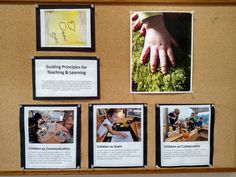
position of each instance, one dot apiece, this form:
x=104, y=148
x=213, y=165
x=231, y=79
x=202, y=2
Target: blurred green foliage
x=177, y=79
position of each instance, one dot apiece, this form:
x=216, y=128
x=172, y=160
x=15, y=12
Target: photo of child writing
x=161, y=51
x=51, y=126
x=118, y=125
x=117, y=135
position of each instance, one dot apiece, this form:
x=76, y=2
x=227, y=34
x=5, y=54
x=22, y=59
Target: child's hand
x=137, y=25
x=123, y=135
x=157, y=42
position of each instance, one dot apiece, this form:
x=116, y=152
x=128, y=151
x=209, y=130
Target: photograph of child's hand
x=158, y=42
x=157, y=49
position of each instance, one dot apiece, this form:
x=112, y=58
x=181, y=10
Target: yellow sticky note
x=65, y=28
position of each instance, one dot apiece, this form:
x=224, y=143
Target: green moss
x=177, y=79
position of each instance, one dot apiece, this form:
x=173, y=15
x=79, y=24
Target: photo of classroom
x=118, y=125
x=50, y=126
x=185, y=124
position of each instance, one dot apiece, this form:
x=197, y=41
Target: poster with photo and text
x=184, y=135
x=49, y=136
x=117, y=135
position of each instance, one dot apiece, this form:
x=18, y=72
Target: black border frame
x=64, y=58
x=90, y=133
x=38, y=28
x=158, y=135
x=22, y=132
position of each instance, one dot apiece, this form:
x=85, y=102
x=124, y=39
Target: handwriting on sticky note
x=65, y=28
x=71, y=25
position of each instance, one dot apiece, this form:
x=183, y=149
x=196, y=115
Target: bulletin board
x=214, y=70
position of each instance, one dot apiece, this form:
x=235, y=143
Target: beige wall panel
x=214, y=71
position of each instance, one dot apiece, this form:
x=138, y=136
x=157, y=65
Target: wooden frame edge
x=177, y=2
x=118, y=171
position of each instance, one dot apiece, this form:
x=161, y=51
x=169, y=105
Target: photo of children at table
x=51, y=126
x=185, y=124
x=118, y=125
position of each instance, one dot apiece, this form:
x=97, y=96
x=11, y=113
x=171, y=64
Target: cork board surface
x=214, y=71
